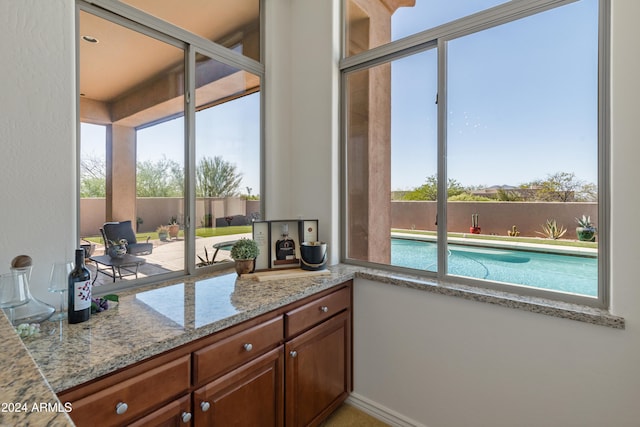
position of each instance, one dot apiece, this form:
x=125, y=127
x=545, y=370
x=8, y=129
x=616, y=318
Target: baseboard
x=380, y=412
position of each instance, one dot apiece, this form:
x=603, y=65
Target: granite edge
x=577, y=312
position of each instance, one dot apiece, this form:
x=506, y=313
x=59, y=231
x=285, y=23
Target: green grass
x=532, y=240
x=200, y=232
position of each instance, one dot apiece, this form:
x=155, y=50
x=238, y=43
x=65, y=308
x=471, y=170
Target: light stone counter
x=153, y=319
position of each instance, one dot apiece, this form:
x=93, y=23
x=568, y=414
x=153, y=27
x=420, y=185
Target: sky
x=522, y=104
x=522, y=98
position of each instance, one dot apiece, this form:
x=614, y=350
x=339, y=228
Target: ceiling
x=124, y=59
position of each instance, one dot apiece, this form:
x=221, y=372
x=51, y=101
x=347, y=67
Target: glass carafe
x=31, y=311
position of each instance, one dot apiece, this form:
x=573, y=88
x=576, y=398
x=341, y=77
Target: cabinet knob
x=185, y=417
x=324, y=309
x=248, y=347
x=121, y=408
x=293, y=353
x=205, y=406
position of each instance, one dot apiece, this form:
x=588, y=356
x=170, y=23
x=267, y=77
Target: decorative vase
x=117, y=251
x=244, y=266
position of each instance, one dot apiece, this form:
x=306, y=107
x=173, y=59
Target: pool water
x=565, y=273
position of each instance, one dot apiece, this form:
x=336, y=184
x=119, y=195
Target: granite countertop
x=147, y=321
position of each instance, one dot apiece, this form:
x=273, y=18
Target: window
x=170, y=113
x=476, y=151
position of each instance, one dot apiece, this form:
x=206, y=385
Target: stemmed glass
x=58, y=282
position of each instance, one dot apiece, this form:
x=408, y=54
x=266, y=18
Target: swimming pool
x=566, y=273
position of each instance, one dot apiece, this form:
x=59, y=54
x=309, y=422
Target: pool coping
x=502, y=244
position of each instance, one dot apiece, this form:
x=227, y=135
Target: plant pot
x=163, y=236
x=116, y=251
x=474, y=230
x=586, y=234
x=244, y=266
x=173, y=231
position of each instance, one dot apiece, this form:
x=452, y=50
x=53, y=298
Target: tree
x=429, y=190
x=163, y=178
x=216, y=177
x=92, y=177
x=563, y=187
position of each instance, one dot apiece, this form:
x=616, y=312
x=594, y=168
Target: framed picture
x=279, y=241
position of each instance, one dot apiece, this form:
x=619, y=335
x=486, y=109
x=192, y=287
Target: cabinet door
x=318, y=366
x=251, y=395
x=175, y=414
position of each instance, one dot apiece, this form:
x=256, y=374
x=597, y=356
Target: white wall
x=301, y=61
x=439, y=360
x=37, y=135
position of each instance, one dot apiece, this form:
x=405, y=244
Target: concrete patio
x=168, y=256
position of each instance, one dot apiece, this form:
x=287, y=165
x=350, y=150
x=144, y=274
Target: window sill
x=580, y=313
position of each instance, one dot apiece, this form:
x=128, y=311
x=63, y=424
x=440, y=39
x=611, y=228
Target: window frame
x=438, y=38
x=140, y=21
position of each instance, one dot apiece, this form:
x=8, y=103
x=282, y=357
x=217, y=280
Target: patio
x=167, y=256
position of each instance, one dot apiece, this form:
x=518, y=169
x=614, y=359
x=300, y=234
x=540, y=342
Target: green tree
x=216, y=177
x=162, y=178
x=429, y=190
x=563, y=187
x=92, y=177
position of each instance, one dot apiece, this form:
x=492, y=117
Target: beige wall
x=494, y=217
x=157, y=211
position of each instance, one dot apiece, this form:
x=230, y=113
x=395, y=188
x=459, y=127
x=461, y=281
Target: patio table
x=126, y=263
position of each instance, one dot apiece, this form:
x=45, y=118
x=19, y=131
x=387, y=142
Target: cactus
x=551, y=230
x=513, y=232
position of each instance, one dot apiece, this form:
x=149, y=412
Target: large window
x=170, y=130
x=475, y=151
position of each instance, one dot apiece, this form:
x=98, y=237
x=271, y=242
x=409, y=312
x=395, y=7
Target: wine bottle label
x=82, y=295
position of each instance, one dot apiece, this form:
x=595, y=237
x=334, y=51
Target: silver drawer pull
x=205, y=406
x=248, y=347
x=293, y=353
x=121, y=408
x=324, y=309
x=185, y=417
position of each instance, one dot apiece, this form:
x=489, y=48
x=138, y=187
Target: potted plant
x=585, y=230
x=174, y=228
x=163, y=232
x=244, y=252
x=117, y=248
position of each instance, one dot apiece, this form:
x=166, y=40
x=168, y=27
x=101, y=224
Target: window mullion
x=442, y=159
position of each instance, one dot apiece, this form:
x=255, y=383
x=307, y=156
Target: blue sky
x=522, y=104
x=522, y=99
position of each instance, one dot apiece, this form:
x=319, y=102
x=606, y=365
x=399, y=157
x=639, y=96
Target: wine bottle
x=79, y=291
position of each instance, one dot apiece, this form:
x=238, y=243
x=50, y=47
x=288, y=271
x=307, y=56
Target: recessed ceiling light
x=90, y=39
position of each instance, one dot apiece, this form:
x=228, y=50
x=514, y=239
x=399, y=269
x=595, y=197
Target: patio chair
x=114, y=231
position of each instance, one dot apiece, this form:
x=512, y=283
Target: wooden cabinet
x=290, y=367
x=130, y=394
x=318, y=367
x=175, y=414
x=251, y=395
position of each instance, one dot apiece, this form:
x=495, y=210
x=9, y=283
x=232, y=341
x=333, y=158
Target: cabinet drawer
x=220, y=357
x=317, y=311
x=140, y=394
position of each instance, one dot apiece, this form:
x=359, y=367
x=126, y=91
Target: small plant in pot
x=244, y=252
x=585, y=230
x=163, y=233
x=174, y=227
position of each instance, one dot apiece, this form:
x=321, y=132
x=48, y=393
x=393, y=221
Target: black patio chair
x=114, y=231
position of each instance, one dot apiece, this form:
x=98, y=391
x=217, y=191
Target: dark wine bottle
x=79, y=291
